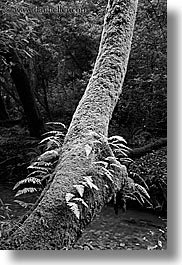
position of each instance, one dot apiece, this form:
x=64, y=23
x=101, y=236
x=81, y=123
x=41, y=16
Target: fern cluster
x=41, y=170
x=73, y=200
x=135, y=187
x=106, y=168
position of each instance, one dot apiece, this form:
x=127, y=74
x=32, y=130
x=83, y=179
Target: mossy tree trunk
x=52, y=225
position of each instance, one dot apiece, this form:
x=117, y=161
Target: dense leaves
x=153, y=168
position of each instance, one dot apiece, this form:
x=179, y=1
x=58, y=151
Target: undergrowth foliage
x=134, y=186
x=106, y=169
x=42, y=170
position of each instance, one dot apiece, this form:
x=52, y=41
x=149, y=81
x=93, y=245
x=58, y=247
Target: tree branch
x=141, y=151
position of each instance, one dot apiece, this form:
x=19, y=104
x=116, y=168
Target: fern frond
x=80, y=189
x=117, y=138
x=136, y=195
x=140, y=196
x=129, y=183
x=125, y=160
x=100, y=164
x=148, y=202
x=47, y=176
x=120, y=146
x=37, y=173
x=32, y=180
x=102, y=167
x=57, y=123
x=96, y=135
x=74, y=208
x=89, y=183
x=117, y=166
x=54, y=133
x=107, y=173
x=25, y=190
x=142, y=190
x=69, y=196
x=24, y=204
x=88, y=150
x=143, y=198
x=52, y=146
x=27, y=180
x=111, y=159
x=82, y=201
x=133, y=198
x=42, y=163
x=137, y=198
x=42, y=169
x=138, y=178
x=121, y=152
x=48, y=156
x=130, y=197
x=54, y=143
x=52, y=139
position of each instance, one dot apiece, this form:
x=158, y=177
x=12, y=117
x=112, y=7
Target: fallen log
x=141, y=151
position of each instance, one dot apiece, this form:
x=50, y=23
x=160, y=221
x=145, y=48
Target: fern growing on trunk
x=41, y=170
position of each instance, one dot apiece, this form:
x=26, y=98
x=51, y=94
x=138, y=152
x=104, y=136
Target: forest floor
x=133, y=230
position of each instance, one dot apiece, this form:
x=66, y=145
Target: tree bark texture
x=25, y=92
x=52, y=225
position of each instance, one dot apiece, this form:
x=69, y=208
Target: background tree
x=16, y=35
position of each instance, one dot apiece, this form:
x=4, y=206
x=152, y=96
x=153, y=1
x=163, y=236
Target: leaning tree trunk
x=52, y=224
